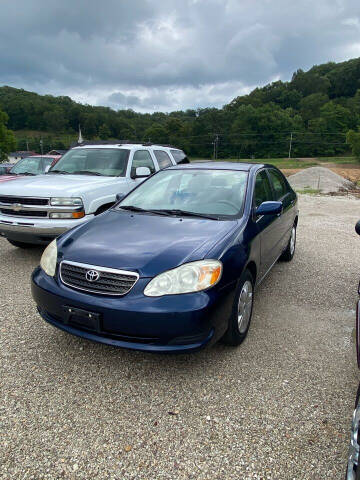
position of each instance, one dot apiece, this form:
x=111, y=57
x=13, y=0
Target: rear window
x=179, y=156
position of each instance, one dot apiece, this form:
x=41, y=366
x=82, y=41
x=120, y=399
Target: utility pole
x=291, y=140
x=216, y=146
x=27, y=144
x=41, y=146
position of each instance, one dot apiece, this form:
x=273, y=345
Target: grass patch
x=309, y=191
x=278, y=162
x=338, y=160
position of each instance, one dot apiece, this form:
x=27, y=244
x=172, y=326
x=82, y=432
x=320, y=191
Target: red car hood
x=5, y=178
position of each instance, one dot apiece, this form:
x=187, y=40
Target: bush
x=353, y=139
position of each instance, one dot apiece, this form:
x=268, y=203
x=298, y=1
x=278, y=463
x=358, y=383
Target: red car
x=34, y=165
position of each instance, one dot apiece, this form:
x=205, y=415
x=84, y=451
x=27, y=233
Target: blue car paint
x=150, y=244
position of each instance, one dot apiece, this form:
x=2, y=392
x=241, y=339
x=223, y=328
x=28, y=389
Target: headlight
x=48, y=259
x=190, y=277
x=66, y=201
x=63, y=215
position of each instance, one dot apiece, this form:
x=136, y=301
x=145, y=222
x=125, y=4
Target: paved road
x=278, y=407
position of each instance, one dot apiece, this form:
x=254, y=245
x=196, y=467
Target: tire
x=239, y=327
x=289, y=253
x=21, y=244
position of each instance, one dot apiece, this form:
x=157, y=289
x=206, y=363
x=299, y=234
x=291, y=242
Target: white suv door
x=141, y=158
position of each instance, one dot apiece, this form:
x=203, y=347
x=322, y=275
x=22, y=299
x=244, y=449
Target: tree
x=7, y=138
x=89, y=122
x=55, y=120
x=104, y=132
x=310, y=105
x=156, y=134
x=309, y=82
x=353, y=139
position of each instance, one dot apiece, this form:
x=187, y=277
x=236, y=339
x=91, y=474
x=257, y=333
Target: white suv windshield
x=111, y=162
x=32, y=165
x=207, y=192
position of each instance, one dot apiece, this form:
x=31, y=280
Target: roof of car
x=244, y=167
x=126, y=145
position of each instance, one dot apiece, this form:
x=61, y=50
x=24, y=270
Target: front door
x=268, y=226
x=141, y=158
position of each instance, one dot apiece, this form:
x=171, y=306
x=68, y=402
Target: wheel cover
x=292, y=240
x=245, y=306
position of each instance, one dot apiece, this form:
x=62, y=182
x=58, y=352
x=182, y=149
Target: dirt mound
x=319, y=178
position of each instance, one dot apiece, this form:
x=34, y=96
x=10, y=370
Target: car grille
x=23, y=213
x=110, y=281
x=24, y=200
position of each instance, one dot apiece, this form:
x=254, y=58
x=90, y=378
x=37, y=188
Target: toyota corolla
x=173, y=266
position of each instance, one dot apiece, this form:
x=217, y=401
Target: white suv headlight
x=66, y=201
x=190, y=277
x=49, y=258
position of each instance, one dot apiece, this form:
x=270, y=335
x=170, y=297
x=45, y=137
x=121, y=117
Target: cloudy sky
x=168, y=54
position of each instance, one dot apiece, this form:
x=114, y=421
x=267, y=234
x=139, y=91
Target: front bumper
x=172, y=324
x=37, y=231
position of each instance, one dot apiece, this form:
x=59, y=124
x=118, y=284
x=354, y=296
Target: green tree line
x=313, y=112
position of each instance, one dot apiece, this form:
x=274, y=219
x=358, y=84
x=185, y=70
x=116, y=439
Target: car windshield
x=111, y=162
x=32, y=165
x=218, y=193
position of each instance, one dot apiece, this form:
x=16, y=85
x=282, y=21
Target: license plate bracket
x=82, y=318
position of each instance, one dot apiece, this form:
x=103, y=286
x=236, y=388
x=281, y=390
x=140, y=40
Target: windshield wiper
x=168, y=212
x=25, y=173
x=186, y=213
x=133, y=208
x=63, y=172
x=87, y=172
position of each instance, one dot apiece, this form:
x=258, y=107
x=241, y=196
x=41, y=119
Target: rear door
x=284, y=194
x=268, y=226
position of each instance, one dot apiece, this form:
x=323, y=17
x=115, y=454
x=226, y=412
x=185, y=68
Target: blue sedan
x=174, y=265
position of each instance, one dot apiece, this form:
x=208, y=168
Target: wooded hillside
x=317, y=107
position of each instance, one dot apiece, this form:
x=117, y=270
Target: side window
x=162, y=158
x=142, y=158
x=179, y=156
x=262, y=191
x=278, y=183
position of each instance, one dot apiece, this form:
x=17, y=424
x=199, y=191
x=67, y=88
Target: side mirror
x=47, y=168
x=142, y=172
x=357, y=228
x=120, y=196
x=270, y=208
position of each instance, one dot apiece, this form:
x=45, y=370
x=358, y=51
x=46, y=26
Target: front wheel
x=240, y=319
x=21, y=244
x=289, y=253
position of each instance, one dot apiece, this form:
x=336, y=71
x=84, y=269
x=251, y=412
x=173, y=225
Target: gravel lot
x=278, y=407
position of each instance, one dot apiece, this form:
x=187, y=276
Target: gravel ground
x=278, y=407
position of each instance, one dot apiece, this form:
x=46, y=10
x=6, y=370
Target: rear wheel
x=289, y=253
x=21, y=244
x=240, y=319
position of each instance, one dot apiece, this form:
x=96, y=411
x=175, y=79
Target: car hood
x=148, y=244
x=55, y=185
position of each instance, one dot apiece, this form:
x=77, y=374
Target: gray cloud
x=151, y=54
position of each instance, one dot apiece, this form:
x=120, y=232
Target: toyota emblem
x=17, y=207
x=92, y=275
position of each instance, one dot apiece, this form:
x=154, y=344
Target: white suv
x=85, y=182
